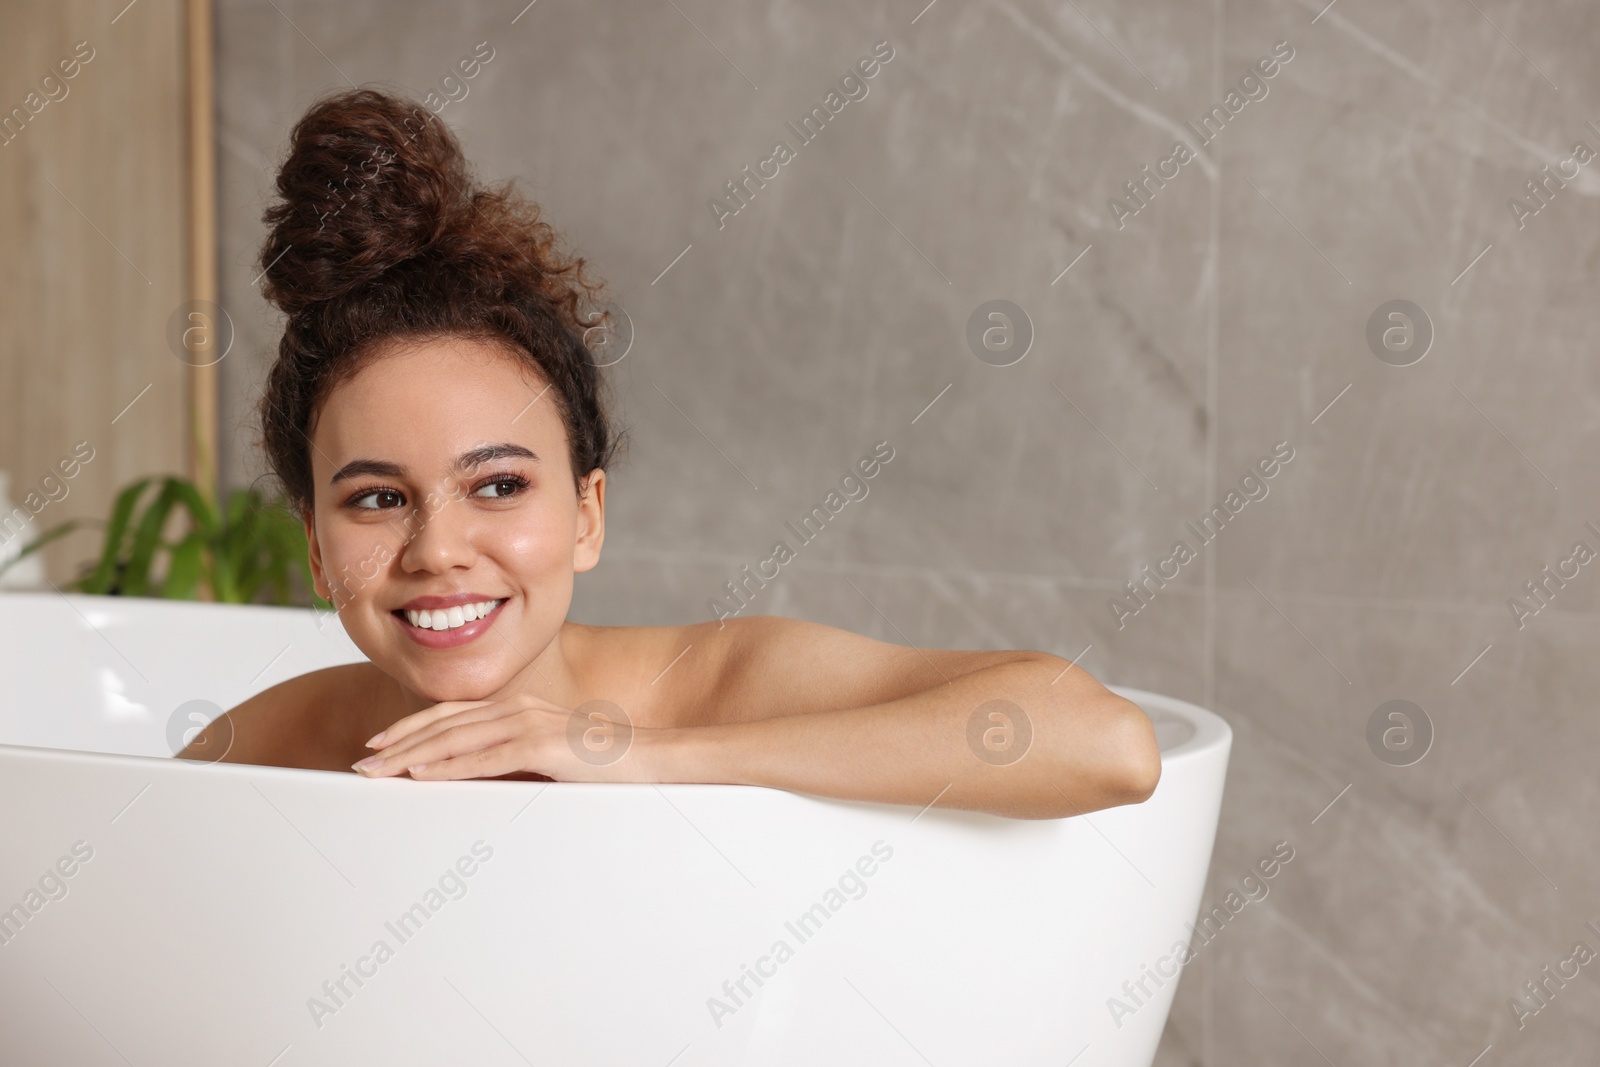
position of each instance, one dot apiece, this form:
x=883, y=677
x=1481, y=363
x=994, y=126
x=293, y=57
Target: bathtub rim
x=1211, y=734
x=1211, y=731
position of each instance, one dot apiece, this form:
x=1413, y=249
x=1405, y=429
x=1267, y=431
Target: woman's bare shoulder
x=295, y=723
x=659, y=675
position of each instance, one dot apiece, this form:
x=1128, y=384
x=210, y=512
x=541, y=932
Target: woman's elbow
x=1114, y=761
x=1138, y=757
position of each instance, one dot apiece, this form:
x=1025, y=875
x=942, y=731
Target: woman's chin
x=443, y=693
x=438, y=686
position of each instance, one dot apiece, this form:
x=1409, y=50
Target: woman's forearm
x=1088, y=748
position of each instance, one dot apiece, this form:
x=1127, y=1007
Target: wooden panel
x=93, y=209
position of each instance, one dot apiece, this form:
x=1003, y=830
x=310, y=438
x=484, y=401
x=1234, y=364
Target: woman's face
x=442, y=489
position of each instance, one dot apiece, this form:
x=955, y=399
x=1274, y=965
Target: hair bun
x=371, y=180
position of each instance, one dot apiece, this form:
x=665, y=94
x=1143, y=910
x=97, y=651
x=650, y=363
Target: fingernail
x=368, y=764
x=377, y=738
x=418, y=767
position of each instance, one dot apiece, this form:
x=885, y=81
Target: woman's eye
x=388, y=497
x=502, y=487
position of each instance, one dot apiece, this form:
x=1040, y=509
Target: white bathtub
x=181, y=913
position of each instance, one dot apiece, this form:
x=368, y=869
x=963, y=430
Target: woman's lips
x=451, y=638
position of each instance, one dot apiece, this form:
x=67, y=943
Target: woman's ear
x=319, y=580
x=591, y=521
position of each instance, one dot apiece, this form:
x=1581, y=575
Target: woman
x=436, y=417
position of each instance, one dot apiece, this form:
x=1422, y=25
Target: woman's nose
x=442, y=539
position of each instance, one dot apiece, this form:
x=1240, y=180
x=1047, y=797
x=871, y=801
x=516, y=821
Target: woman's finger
x=484, y=763
x=455, y=741
x=470, y=714
x=419, y=719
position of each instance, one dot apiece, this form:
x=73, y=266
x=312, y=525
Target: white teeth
x=449, y=619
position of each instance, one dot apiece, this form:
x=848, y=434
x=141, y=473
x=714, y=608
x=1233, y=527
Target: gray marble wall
x=1176, y=340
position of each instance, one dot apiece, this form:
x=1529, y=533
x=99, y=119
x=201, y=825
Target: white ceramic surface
x=210, y=909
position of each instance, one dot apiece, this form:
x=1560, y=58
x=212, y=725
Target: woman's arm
x=815, y=709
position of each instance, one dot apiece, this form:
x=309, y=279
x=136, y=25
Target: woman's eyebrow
x=473, y=457
x=357, y=467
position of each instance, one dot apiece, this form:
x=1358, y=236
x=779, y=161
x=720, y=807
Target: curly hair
x=379, y=232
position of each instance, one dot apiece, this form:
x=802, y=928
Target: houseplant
x=247, y=549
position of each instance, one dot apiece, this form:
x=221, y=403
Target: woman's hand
x=489, y=738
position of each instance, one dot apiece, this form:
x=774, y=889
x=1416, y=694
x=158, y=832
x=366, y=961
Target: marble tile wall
x=1173, y=347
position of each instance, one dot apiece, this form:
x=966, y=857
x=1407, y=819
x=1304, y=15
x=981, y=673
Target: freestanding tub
x=161, y=911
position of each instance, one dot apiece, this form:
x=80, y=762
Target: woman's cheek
x=527, y=534
x=357, y=553
x=524, y=549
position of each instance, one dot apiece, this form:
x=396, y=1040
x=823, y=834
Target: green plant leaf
x=105, y=572
x=246, y=549
x=285, y=543
x=147, y=539
x=199, y=507
x=290, y=536
x=240, y=503
x=184, y=567
x=240, y=549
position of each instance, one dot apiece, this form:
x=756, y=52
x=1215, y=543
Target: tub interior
x=1172, y=731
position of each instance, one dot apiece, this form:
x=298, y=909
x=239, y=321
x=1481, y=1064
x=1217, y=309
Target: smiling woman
x=435, y=416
